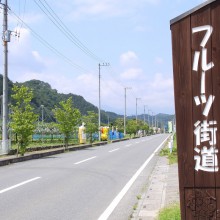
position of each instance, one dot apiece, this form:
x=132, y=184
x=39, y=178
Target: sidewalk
x=163, y=190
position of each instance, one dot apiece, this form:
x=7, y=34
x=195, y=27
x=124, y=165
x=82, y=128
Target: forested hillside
x=47, y=98
x=50, y=98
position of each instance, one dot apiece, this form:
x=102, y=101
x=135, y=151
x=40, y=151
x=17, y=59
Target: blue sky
x=133, y=36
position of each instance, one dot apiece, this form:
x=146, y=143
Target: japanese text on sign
x=205, y=131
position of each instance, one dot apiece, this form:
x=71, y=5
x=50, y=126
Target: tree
x=142, y=126
x=67, y=118
x=119, y=123
x=145, y=128
x=23, y=119
x=91, y=123
x=131, y=127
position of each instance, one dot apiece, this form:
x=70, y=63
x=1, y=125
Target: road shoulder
x=162, y=190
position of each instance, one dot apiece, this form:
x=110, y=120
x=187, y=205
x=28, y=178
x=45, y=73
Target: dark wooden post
x=196, y=70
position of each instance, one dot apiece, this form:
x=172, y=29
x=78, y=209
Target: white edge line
x=82, y=161
x=117, y=199
x=113, y=150
x=20, y=184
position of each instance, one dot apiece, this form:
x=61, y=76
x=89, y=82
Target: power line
x=21, y=13
x=63, y=28
x=45, y=7
x=112, y=72
x=50, y=13
x=49, y=46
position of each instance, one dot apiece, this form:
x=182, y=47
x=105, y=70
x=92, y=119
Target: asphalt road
x=95, y=183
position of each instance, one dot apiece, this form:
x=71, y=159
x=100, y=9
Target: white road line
x=137, y=142
x=82, y=161
x=117, y=199
x=20, y=184
x=128, y=145
x=114, y=150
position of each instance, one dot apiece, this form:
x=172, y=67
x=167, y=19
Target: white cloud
x=23, y=61
x=140, y=28
x=106, y=8
x=159, y=60
x=160, y=82
x=28, y=18
x=132, y=73
x=37, y=56
x=128, y=58
x=159, y=93
x=20, y=45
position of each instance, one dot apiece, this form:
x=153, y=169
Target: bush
x=171, y=212
x=171, y=156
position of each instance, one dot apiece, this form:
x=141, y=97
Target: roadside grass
x=171, y=212
x=135, y=206
x=46, y=143
x=172, y=157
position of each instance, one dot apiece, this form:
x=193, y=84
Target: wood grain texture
x=196, y=186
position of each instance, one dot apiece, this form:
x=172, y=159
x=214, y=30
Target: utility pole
x=136, y=108
x=125, y=111
x=99, y=113
x=144, y=113
x=152, y=120
x=42, y=120
x=148, y=119
x=42, y=114
x=6, y=39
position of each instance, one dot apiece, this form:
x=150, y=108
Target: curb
x=36, y=155
x=157, y=194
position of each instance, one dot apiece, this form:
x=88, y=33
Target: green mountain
x=161, y=119
x=45, y=99
x=49, y=98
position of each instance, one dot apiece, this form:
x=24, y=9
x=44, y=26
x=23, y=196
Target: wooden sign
x=196, y=69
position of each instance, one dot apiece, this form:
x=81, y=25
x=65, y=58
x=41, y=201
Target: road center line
x=128, y=145
x=82, y=161
x=117, y=199
x=114, y=150
x=20, y=184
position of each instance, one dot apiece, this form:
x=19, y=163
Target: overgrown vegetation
x=171, y=212
x=172, y=156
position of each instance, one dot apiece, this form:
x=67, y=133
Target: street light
x=125, y=111
x=136, y=107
